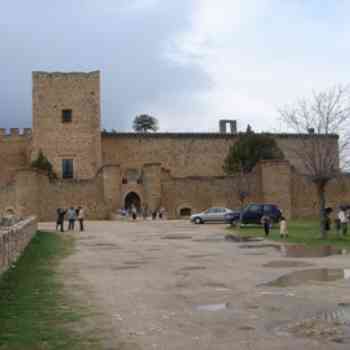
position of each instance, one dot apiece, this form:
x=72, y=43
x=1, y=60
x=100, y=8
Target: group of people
x=73, y=215
x=133, y=213
x=266, y=221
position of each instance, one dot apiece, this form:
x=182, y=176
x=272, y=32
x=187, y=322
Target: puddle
x=340, y=314
x=297, y=278
x=301, y=251
x=209, y=239
x=125, y=267
x=212, y=307
x=193, y=268
x=198, y=256
x=177, y=237
x=237, y=238
x=260, y=246
x=215, y=285
x=135, y=262
x=284, y=263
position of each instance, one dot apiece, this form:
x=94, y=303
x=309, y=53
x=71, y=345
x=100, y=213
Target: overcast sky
x=187, y=62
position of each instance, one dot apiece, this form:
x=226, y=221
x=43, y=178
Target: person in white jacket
x=343, y=221
x=283, y=228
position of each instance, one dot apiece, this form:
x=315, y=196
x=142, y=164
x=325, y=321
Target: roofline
x=205, y=135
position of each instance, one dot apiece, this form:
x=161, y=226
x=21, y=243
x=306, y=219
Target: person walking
x=71, y=216
x=81, y=218
x=266, y=222
x=283, y=228
x=134, y=212
x=343, y=221
x=60, y=219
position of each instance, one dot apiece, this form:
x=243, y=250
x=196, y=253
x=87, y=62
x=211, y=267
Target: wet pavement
x=174, y=285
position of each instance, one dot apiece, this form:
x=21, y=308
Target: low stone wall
x=14, y=239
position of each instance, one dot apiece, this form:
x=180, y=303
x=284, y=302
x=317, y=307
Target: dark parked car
x=253, y=213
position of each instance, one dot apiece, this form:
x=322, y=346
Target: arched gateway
x=131, y=199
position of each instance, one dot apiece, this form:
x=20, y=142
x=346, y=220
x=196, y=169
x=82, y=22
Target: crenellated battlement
x=65, y=75
x=15, y=132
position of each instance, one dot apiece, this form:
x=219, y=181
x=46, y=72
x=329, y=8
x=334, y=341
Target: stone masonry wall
x=14, y=153
x=36, y=194
x=192, y=154
x=13, y=241
x=7, y=197
x=200, y=193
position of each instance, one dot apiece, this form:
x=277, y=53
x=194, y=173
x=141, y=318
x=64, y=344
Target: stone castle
x=182, y=172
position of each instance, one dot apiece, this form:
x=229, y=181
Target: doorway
x=132, y=199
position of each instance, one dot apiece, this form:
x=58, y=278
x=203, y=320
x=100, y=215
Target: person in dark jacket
x=60, y=219
x=266, y=222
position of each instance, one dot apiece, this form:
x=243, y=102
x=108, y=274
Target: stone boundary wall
x=7, y=197
x=14, y=239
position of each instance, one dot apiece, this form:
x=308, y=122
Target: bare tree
x=323, y=122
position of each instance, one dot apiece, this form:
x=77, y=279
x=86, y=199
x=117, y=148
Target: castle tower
x=66, y=122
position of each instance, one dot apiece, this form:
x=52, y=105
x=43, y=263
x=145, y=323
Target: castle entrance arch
x=132, y=199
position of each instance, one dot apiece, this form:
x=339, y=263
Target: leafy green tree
x=42, y=163
x=243, y=157
x=145, y=123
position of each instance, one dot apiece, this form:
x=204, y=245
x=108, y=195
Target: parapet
x=65, y=75
x=15, y=132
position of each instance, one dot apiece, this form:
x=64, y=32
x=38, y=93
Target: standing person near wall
x=81, y=218
x=266, y=222
x=60, y=219
x=283, y=228
x=71, y=216
x=343, y=221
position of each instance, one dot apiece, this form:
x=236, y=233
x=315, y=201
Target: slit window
x=67, y=169
x=67, y=116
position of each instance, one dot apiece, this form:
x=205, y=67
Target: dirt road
x=173, y=285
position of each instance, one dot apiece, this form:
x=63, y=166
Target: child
x=283, y=228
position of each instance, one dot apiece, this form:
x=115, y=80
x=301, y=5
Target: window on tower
x=66, y=115
x=67, y=169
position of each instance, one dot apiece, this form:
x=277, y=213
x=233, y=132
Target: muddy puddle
x=212, y=307
x=286, y=264
x=297, y=250
x=199, y=256
x=301, y=251
x=340, y=314
x=260, y=246
x=209, y=240
x=192, y=268
x=297, y=278
x=237, y=238
x=177, y=236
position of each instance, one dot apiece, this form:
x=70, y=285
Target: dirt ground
x=174, y=285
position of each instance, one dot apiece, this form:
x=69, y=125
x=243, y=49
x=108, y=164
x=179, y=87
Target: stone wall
x=13, y=241
x=200, y=193
x=186, y=154
x=36, y=194
x=7, y=197
x=14, y=153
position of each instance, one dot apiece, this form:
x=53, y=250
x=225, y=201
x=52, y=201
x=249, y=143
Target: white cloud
x=259, y=55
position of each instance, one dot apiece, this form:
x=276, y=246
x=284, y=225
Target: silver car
x=210, y=215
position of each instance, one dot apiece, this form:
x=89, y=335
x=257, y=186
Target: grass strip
x=34, y=312
x=302, y=232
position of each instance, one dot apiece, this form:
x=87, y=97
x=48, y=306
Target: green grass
x=34, y=312
x=303, y=232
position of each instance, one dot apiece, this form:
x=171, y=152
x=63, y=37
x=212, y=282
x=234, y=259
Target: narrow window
x=67, y=168
x=66, y=115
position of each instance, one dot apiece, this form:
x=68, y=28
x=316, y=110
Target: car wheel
x=197, y=221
